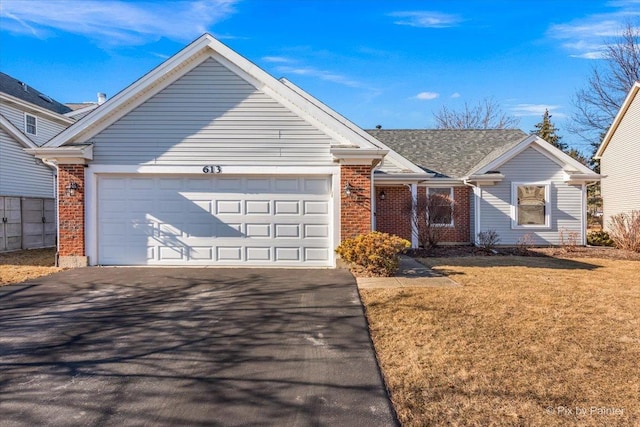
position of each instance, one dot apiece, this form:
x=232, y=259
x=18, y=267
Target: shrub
x=488, y=240
x=569, y=239
x=599, y=238
x=376, y=252
x=624, y=230
x=524, y=243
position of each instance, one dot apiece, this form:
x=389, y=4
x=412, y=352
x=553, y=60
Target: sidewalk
x=411, y=274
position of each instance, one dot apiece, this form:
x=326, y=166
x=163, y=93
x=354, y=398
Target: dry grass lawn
x=16, y=267
x=526, y=341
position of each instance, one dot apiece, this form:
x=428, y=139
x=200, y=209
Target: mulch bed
x=559, y=252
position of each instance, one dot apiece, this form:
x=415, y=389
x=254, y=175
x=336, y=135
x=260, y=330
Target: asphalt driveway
x=142, y=346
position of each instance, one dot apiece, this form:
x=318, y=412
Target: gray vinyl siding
x=566, y=201
x=45, y=128
x=620, y=166
x=19, y=173
x=211, y=115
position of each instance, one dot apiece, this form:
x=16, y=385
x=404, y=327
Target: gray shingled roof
x=16, y=88
x=449, y=152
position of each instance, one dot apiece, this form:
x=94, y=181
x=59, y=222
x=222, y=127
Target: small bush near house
x=488, y=240
x=624, y=230
x=524, y=243
x=599, y=238
x=376, y=252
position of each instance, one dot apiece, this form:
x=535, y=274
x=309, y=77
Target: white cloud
x=455, y=95
x=585, y=37
x=530, y=110
x=277, y=59
x=321, y=74
x=427, y=95
x=426, y=19
x=116, y=22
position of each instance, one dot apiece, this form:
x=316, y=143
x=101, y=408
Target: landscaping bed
x=19, y=266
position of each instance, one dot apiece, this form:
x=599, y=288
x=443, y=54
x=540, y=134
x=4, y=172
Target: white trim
x=26, y=125
x=16, y=133
x=547, y=206
x=73, y=113
x=583, y=215
x=543, y=147
x=477, y=194
x=27, y=105
x=372, y=197
x=225, y=170
x=336, y=207
x=617, y=120
x=414, y=226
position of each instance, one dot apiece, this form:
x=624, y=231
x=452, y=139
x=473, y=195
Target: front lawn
x=524, y=341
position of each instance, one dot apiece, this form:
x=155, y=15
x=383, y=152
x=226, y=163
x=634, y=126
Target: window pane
x=531, y=205
x=440, y=206
x=31, y=124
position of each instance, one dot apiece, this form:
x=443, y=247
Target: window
x=30, y=124
x=531, y=202
x=440, y=206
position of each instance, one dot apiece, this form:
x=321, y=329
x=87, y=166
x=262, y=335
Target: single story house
x=28, y=119
x=619, y=155
x=209, y=160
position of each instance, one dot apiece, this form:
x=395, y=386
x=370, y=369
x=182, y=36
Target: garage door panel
x=159, y=220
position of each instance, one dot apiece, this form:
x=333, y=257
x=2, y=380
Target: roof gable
x=618, y=119
x=568, y=163
x=191, y=56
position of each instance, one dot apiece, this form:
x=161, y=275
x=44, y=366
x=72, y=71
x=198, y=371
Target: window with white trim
x=30, y=124
x=531, y=205
x=440, y=206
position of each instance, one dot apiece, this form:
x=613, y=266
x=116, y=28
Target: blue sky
x=392, y=63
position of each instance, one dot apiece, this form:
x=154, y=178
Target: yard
x=16, y=267
x=525, y=341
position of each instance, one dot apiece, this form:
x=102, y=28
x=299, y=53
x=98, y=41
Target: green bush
x=376, y=252
x=599, y=238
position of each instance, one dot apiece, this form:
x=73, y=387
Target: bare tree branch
x=486, y=114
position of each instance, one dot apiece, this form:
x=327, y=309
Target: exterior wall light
x=382, y=195
x=348, y=190
x=71, y=188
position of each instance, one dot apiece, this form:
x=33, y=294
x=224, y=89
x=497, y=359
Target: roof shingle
x=22, y=91
x=449, y=152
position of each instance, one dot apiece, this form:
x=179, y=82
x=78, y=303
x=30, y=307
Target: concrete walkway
x=411, y=274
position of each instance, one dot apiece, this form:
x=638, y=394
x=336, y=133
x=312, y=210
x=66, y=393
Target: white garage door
x=172, y=220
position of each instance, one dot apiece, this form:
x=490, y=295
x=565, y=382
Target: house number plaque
x=212, y=169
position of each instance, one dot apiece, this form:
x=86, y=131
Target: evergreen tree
x=547, y=131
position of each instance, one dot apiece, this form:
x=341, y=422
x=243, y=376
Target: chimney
x=102, y=97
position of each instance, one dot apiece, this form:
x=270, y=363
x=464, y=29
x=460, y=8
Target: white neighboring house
x=619, y=156
x=28, y=119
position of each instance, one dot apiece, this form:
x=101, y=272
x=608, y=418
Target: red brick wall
x=71, y=211
x=392, y=216
x=391, y=213
x=355, y=215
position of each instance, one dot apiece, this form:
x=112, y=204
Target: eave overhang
x=68, y=154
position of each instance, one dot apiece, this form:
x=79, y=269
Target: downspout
x=54, y=166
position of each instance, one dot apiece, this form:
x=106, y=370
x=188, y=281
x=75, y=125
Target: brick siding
x=71, y=211
x=392, y=213
x=355, y=214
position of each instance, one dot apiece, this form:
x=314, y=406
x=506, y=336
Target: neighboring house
x=619, y=156
x=207, y=159
x=28, y=119
x=81, y=109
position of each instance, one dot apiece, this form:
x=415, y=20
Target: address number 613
x=212, y=169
